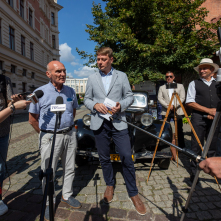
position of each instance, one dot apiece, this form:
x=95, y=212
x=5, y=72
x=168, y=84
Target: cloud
x=85, y=71
x=66, y=55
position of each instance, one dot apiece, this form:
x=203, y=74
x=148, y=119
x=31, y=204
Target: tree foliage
x=150, y=37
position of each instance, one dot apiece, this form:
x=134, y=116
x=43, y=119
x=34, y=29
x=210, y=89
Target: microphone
x=34, y=96
x=58, y=108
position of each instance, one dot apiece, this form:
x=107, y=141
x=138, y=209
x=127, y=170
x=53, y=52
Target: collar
x=51, y=85
x=103, y=74
x=212, y=79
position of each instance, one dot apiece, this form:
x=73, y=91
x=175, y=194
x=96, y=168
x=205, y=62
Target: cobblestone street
x=164, y=195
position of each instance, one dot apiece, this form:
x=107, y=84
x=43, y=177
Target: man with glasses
x=164, y=97
x=202, y=98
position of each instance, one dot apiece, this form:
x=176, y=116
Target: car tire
x=80, y=160
x=164, y=163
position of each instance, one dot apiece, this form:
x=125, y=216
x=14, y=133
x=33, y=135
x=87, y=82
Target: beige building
x=28, y=41
x=79, y=85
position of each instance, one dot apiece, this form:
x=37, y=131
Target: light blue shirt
x=46, y=117
x=106, y=79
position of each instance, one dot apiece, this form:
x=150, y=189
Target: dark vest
x=206, y=95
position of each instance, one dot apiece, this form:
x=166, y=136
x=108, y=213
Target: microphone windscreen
x=39, y=93
x=59, y=100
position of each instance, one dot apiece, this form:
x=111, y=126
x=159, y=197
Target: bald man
x=43, y=121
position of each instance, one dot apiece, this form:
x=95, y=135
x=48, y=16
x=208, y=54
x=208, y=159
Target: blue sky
x=72, y=20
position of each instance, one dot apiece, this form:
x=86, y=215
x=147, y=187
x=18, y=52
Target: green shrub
x=185, y=121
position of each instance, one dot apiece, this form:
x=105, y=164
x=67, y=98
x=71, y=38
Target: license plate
x=116, y=157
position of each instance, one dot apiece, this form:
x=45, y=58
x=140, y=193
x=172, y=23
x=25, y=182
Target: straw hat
x=207, y=61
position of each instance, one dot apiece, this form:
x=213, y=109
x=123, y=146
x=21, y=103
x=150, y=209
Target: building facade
x=28, y=41
x=79, y=85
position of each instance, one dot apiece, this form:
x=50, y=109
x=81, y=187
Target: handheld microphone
x=34, y=96
x=58, y=108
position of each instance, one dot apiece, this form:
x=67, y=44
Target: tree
x=150, y=37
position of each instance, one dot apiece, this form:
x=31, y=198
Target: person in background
x=164, y=97
x=202, y=99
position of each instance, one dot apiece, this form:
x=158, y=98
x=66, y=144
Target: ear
x=48, y=74
x=112, y=60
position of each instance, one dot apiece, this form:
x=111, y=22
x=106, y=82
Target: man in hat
x=202, y=98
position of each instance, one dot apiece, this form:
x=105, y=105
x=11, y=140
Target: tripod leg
x=208, y=142
x=175, y=122
x=161, y=131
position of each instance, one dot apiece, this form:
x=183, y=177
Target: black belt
x=60, y=131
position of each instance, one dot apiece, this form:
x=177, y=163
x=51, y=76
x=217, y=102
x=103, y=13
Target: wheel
x=81, y=160
x=164, y=163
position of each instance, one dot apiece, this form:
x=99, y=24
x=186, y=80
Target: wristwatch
x=12, y=107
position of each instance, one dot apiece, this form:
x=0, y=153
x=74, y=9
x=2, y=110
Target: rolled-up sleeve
x=34, y=108
x=191, y=93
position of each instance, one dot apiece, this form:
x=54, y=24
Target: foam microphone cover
x=59, y=100
x=39, y=93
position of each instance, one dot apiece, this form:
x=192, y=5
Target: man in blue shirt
x=43, y=121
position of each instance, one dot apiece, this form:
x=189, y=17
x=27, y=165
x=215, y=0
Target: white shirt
x=191, y=93
x=171, y=90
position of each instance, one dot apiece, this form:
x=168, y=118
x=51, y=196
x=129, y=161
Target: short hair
x=105, y=51
x=168, y=72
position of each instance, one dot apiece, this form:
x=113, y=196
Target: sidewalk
x=164, y=195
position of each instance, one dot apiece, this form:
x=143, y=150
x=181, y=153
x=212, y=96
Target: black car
x=142, y=145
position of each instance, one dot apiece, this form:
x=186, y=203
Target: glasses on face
x=170, y=76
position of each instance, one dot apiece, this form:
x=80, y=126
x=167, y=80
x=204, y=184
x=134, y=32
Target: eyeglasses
x=170, y=76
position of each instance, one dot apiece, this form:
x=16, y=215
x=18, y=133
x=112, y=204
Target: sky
x=72, y=20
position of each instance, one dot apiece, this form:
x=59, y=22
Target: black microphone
x=59, y=100
x=34, y=96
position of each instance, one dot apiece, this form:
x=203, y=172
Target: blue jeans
x=122, y=141
x=3, y=156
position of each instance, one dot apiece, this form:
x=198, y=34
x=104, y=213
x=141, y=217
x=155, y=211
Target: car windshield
x=139, y=100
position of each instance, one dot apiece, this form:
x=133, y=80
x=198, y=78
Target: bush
x=185, y=121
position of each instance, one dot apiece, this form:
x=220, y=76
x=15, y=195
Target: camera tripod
x=175, y=122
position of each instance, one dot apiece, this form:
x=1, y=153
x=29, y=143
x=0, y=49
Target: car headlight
x=146, y=119
x=87, y=119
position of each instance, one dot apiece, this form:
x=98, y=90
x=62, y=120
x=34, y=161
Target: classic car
x=142, y=145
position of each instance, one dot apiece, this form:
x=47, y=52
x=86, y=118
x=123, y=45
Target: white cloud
x=85, y=71
x=66, y=55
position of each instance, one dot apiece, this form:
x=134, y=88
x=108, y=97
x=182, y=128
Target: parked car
x=142, y=145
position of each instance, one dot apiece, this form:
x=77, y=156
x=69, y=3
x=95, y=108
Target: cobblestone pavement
x=164, y=195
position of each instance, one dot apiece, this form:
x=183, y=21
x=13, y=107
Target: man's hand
x=211, y=111
x=116, y=109
x=210, y=117
x=212, y=166
x=100, y=108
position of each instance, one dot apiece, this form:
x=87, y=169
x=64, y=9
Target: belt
x=64, y=131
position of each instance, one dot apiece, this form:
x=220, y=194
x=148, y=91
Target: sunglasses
x=170, y=76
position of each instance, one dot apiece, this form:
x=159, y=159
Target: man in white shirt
x=164, y=97
x=202, y=98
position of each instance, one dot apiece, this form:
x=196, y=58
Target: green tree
x=150, y=37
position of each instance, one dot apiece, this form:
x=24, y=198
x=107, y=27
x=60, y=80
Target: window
x=12, y=38
x=30, y=17
x=53, y=42
x=22, y=45
x=1, y=65
x=31, y=51
x=23, y=87
x=77, y=81
x=52, y=18
x=81, y=82
x=81, y=89
x=24, y=72
x=13, y=68
x=76, y=88
x=10, y=2
x=22, y=8
x=32, y=75
x=13, y=84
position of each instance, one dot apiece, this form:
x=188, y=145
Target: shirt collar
x=212, y=79
x=51, y=85
x=108, y=74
